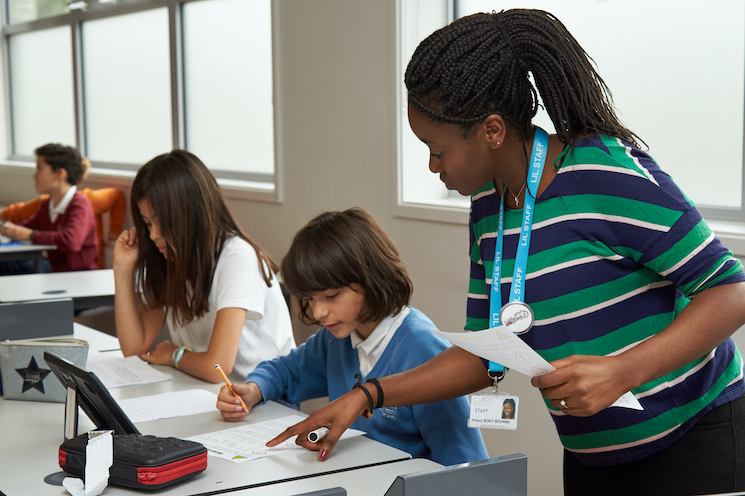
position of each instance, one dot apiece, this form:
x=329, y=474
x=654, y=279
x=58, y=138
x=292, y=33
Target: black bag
x=141, y=462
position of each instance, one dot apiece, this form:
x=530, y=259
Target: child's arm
x=137, y=327
x=16, y=232
x=76, y=224
x=230, y=406
x=222, y=350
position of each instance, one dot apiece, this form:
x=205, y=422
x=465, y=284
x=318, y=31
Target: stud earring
x=499, y=142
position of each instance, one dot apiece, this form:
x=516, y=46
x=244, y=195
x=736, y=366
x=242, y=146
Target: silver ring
x=563, y=404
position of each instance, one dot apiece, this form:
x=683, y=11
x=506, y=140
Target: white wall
x=337, y=128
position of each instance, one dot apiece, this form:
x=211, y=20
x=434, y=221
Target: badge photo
x=494, y=411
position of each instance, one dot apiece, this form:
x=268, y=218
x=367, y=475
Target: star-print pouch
x=26, y=376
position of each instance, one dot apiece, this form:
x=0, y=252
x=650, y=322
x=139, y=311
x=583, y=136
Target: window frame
x=241, y=185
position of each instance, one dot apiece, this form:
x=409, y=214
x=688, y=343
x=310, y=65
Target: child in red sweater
x=65, y=219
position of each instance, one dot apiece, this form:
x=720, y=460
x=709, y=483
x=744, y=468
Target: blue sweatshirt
x=326, y=366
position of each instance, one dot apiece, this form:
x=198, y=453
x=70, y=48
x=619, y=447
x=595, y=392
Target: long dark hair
x=479, y=64
x=337, y=249
x=195, y=222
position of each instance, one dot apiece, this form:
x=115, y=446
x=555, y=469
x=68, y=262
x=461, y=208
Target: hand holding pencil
x=230, y=400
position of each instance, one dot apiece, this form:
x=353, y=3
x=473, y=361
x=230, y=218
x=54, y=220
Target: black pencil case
x=141, y=462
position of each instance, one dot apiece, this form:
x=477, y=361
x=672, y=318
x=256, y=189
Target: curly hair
x=480, y=64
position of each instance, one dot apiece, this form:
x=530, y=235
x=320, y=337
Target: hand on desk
x=338, y=416
x=230, y=406
x=161, y=355
x=15, y=231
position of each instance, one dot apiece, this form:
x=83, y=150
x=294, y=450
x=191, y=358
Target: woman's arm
x=452, y=373
x=137, y=327
x=589, y=384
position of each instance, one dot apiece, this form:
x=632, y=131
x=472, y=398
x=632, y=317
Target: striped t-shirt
x=616, y=251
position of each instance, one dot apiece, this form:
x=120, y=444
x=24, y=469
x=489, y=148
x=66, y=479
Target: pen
x=318, y=434
x=227, y=381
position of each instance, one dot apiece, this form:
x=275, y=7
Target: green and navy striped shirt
x=616, y=252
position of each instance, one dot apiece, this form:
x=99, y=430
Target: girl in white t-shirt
x=188, y=265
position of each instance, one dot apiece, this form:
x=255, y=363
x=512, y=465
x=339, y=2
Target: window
x=43, y=108
x=127, y=87
x=233, y=80
x=125, y=81
x=676, y=70
x=29, y=10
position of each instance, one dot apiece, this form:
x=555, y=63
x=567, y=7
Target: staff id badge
x=491, y=410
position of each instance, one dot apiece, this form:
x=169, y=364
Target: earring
x=499, y=142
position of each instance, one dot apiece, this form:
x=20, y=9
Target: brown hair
x=336, y=249
x=195, y=222
x=65, y=157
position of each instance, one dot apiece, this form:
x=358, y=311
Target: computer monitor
x=86, y=390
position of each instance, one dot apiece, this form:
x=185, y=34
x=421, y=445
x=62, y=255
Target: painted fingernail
x=324, y=453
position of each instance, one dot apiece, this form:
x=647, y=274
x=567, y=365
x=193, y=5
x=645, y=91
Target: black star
x=33, y=376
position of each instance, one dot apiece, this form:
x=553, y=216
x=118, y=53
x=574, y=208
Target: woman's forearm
x=708, y=320
x=452, y=373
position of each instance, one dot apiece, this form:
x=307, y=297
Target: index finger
x=303, y=427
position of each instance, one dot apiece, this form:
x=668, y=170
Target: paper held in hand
x=504, y=347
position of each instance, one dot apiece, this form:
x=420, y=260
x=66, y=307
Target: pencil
x=227, y=381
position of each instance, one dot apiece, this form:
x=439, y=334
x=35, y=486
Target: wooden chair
x=102, y=200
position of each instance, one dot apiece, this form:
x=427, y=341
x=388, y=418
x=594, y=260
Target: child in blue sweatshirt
x=347, y=276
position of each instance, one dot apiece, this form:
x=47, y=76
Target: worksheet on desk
x=248, y=442
x=114, y=371
x=169, y=405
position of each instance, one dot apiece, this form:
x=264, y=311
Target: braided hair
x=479, y=64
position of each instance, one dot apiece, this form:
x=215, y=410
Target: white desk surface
x=370, y=481
x=77, y=284
x=31, y=433
x=24, y=248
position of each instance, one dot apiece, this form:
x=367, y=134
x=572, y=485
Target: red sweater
x=74, y=234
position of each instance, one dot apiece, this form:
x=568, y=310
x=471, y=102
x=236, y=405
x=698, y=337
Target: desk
x=25, y=250
x=370, y=481
x=32, y=432
x=87, y=288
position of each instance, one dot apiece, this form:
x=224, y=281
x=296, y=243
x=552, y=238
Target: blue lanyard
x=517, y=292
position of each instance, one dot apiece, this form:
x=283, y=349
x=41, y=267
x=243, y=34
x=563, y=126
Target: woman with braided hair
x=624, y=285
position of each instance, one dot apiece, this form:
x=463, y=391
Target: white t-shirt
x=238, y=283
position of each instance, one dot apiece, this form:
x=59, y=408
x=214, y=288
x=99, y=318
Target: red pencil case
x=141, y=462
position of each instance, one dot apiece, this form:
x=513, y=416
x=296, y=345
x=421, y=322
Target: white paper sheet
x=169, y=405
x=115, y=371
x=502, y=346
x=248, y=442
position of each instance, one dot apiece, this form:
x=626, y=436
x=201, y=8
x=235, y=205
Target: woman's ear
x=495, y=130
